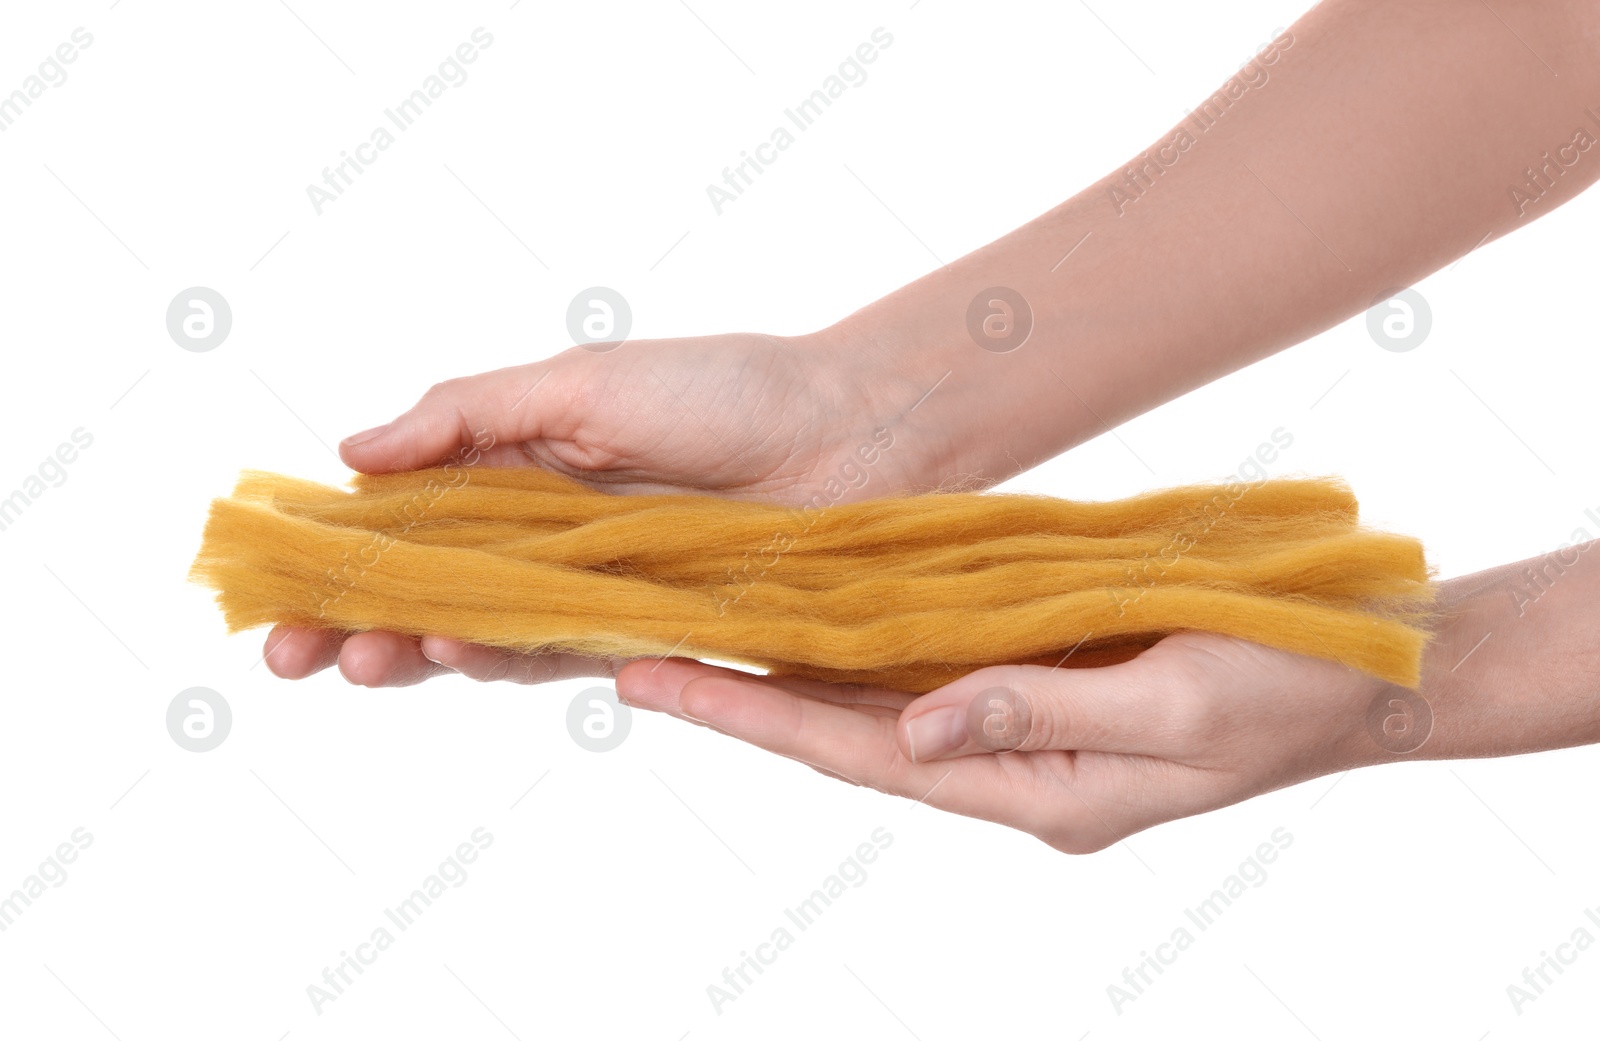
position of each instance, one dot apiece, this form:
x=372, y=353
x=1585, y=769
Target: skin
x=1197, y=722
x=1375, y=144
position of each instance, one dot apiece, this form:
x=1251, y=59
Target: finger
x=293, y=653
x=380, y=659
x=835, y=738
x=487, y=664
x=1025, y=792
x=1126, y=708
x=876, y=700
x=657, y=686
x=485, y=417
x=653, y=684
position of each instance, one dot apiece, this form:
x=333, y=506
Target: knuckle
x=1052, y=723
x=872, y=767
x=494, y=672
x=1043, y=718
x=1004, y=715
x=852, y=693
x=1192, y=713
x=524, y=668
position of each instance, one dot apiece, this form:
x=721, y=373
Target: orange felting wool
x=905, y=592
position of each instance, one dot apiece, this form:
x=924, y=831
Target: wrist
x=1512, y=666
x=974, y=411
x=890, y=380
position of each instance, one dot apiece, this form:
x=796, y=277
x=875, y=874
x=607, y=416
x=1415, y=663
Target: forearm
x=1380, y=143
x=1514, y=665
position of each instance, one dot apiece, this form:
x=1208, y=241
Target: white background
x=219, y=885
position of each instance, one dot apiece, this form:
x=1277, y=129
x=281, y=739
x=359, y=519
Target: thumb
x=1024, y=708
x=493, y=413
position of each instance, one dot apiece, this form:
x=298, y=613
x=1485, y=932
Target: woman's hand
x=739, y=415
x=1080, y=758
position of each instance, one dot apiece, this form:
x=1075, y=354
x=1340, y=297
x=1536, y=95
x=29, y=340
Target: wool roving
x=908, y=592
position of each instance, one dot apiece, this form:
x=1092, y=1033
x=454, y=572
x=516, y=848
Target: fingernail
x=437, y=659
x=934, y=733
x=365, y=435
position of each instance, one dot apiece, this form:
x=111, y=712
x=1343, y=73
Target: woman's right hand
x=741, y=415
